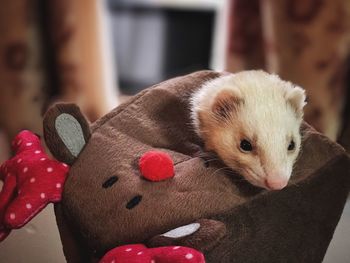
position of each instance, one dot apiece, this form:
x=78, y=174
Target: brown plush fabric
x=292, y=225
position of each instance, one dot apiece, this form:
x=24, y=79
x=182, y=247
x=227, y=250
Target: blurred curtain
x=22, y=74
x=49, y=51
x=246, y=49
x=74, y=31
x=304, y=41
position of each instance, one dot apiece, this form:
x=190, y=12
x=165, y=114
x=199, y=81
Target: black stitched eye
x=110, y=181
x=246, y=146
x=291, y=146
x=134, y=202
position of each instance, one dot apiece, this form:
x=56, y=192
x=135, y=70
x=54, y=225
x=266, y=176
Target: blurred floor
x=339, y=249
x=37, y=242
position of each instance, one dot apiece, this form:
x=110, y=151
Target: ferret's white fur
x=272, y=112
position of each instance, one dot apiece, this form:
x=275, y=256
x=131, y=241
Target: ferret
x=251, y=120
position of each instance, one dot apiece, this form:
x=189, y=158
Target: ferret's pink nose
x=276, y=184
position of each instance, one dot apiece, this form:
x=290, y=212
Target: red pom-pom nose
x=156, y=166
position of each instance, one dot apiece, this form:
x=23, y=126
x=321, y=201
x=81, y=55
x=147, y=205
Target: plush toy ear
x=66, y=131
x=296, y=97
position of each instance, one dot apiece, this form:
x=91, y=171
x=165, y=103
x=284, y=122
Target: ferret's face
x=263, y=153
x=253, y=124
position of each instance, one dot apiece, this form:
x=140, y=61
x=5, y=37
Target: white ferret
x=251, y=120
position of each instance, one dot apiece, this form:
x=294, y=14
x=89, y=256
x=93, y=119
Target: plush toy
x=141, y=254
x=139, y=180
x=31, y=181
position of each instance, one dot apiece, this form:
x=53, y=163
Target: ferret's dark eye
x=291, y=146
x=246, y=146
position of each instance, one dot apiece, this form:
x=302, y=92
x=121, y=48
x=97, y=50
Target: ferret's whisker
x=229, y=171
x=204, y=154
x=211, y=160
x=220, y=169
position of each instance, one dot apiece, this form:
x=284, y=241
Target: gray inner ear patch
x=70, y=132
x=182, y=231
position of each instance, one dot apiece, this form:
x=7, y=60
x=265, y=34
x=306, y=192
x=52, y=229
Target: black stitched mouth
x=134, y=202
x=110, y=181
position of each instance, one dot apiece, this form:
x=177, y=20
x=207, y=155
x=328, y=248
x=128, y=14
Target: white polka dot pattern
x=141, y=254
x=37, y=179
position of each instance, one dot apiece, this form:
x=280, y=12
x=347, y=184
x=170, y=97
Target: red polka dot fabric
x=140, y=254
x=31, y=181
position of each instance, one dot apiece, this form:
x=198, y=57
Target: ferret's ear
x=226, y=102
x=66, y=131
x=297, y=99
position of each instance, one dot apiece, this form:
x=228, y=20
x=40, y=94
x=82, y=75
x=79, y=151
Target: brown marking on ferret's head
x=225, y=104
x=252, y=121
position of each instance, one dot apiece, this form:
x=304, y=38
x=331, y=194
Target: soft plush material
x=141, y=254
x=156, y=166
x=31, y=181
x=107, y=202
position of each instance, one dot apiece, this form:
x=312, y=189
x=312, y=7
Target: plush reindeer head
x=116, y=193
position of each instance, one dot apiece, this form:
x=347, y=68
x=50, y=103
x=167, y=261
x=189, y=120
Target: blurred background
x=97, y=53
